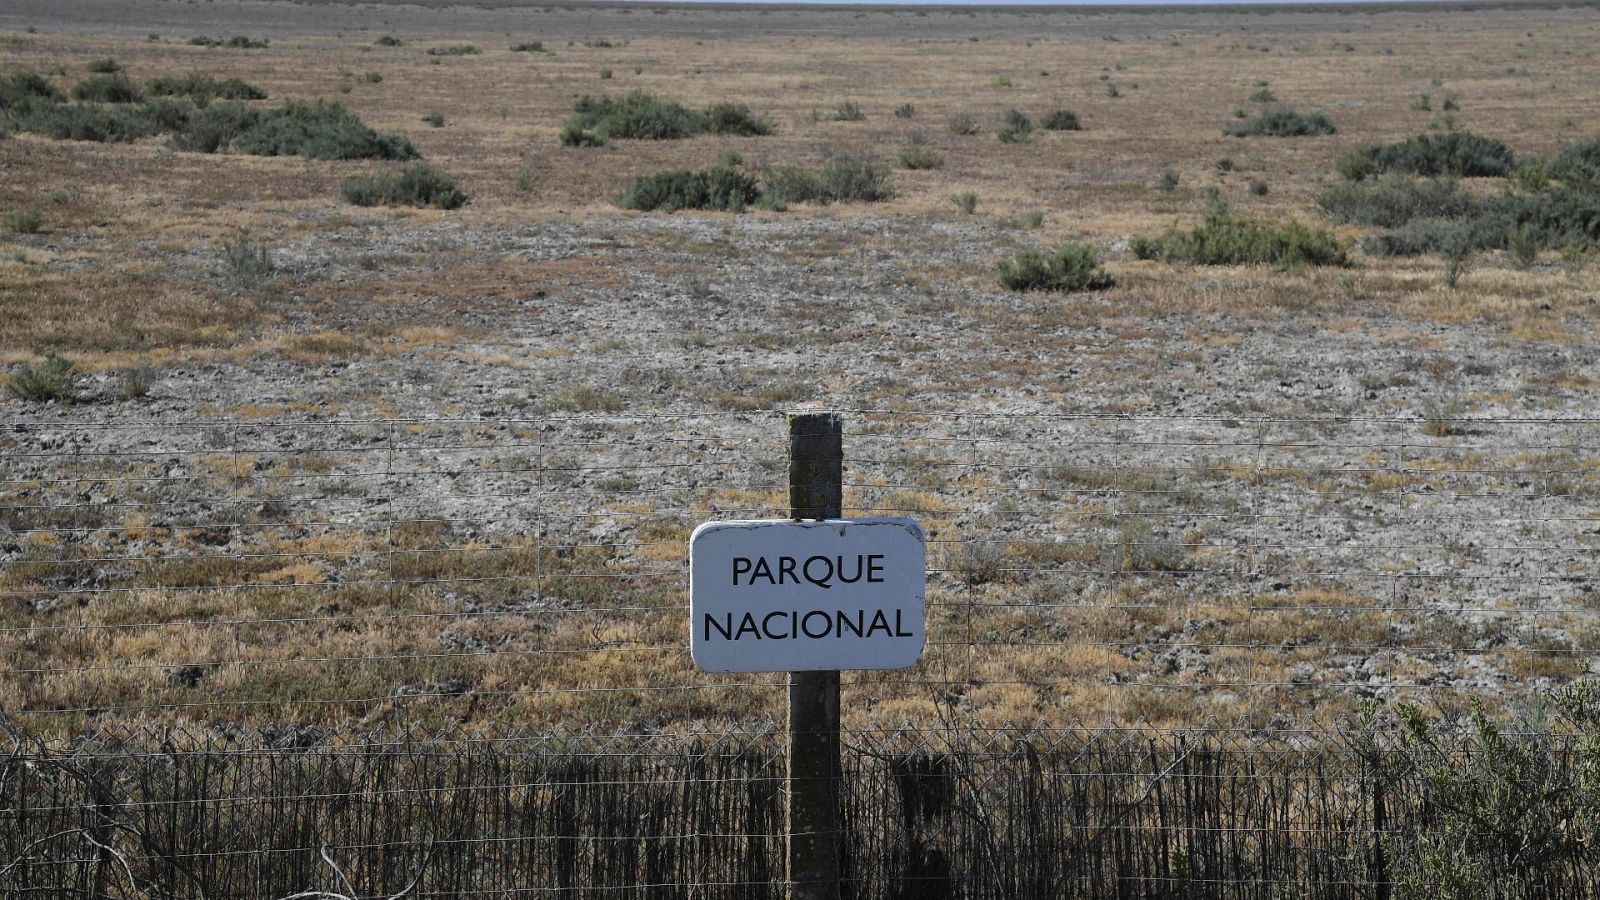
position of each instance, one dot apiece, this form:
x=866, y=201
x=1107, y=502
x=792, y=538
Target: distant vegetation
x=641, y=116
x=238, y=42
x=203, y=88
x=417, y=185
x=1282, y=123
x=726, y=188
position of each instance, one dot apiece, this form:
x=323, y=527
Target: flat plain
x=323, y=462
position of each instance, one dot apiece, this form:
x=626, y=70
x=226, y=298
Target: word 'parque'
x=822, y=571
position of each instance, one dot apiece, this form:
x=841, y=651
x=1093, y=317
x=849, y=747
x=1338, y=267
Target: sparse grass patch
x=963, y=126
x=237, y=42
x=24, y=221
x=1281, y=123
x=454, y=50
x=920, y=156
x=247, y=263
x=528, y=47
x=1068, y=268
x=586, y=398
x=966, y=201
x=1017, y=128
x=848, y=111
x=419, y=185
x=49, y=380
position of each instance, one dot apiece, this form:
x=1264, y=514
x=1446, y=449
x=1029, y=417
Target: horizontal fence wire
x=448, y=656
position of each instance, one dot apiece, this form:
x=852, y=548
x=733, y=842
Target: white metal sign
x=786, y=596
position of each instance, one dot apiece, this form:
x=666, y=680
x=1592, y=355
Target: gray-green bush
x=1228, y=240
x=417, y=185
x=641, y=116
x=1281, y=123
x=1458, y=153
x=1069, y=267
x=718, y=188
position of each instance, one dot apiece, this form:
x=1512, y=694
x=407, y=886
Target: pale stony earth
x=1089, y=455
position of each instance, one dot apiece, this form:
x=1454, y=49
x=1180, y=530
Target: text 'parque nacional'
x=784, y=595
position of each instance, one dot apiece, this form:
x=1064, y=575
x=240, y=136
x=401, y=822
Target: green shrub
x=1577, y=164
x=107, y=89
x=1394, y=200
x=638, y=116
x=905, y=111
x=1061, y=120
x=1226, y=240
x=51, y=379
x=104, y=66
x=963, y=126
x=735, y=118
x=213, y=129
x=389, y=41
x=1458, y=153
x=1169, y=181
x=1263, y=95
x=318, y=129
x=24, y=221
x=920, y=156
x=203, y=88
x=719, y=188
x=88, y=122
x=1017, y=127
x=528, y=47
x=417, y=185
x=21, y=91
x=854, y=181
x=1281, y=123
x=454, y=50
x=1259, y=188
x=1416, y=237
x=1070, y=267
x=575, y=135
x=966, y=201
x=434, y=119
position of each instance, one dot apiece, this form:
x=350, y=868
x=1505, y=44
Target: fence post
x=816, y=491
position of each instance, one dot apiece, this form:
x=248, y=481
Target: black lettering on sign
x=821, y=571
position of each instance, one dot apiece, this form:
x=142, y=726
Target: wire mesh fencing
x=253, y=657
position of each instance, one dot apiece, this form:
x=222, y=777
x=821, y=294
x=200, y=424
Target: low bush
x=1458, y=153
x=51, y=379
x=418, y=185
x=97, y=122
x=735, y=118
x=115, y=88
x=237, y=42
x=905, y=111
x=963, y=126
x=966, y=201
x=104, y=66
x=1017, y=128
x=848, y=111
x=1281, y=123
x=854, y=181
x=719, y=188
x=1576, y=165
x=454, y=50
x=920, y=156
x=389, y=41
x=641, y=116
x=1394, y=200
x=318, y=129
x=434, y=120
x=1227, y=240
x=202, y=89
x=575, y=135
x=247, y=263
x=1070, y=267
x=1061, y=120
x=528, y=47
x=26, y=90
x=24, y=221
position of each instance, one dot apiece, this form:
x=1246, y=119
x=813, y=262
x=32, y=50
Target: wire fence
x=448, y=656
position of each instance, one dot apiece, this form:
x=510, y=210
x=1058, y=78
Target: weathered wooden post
x=816, y=491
